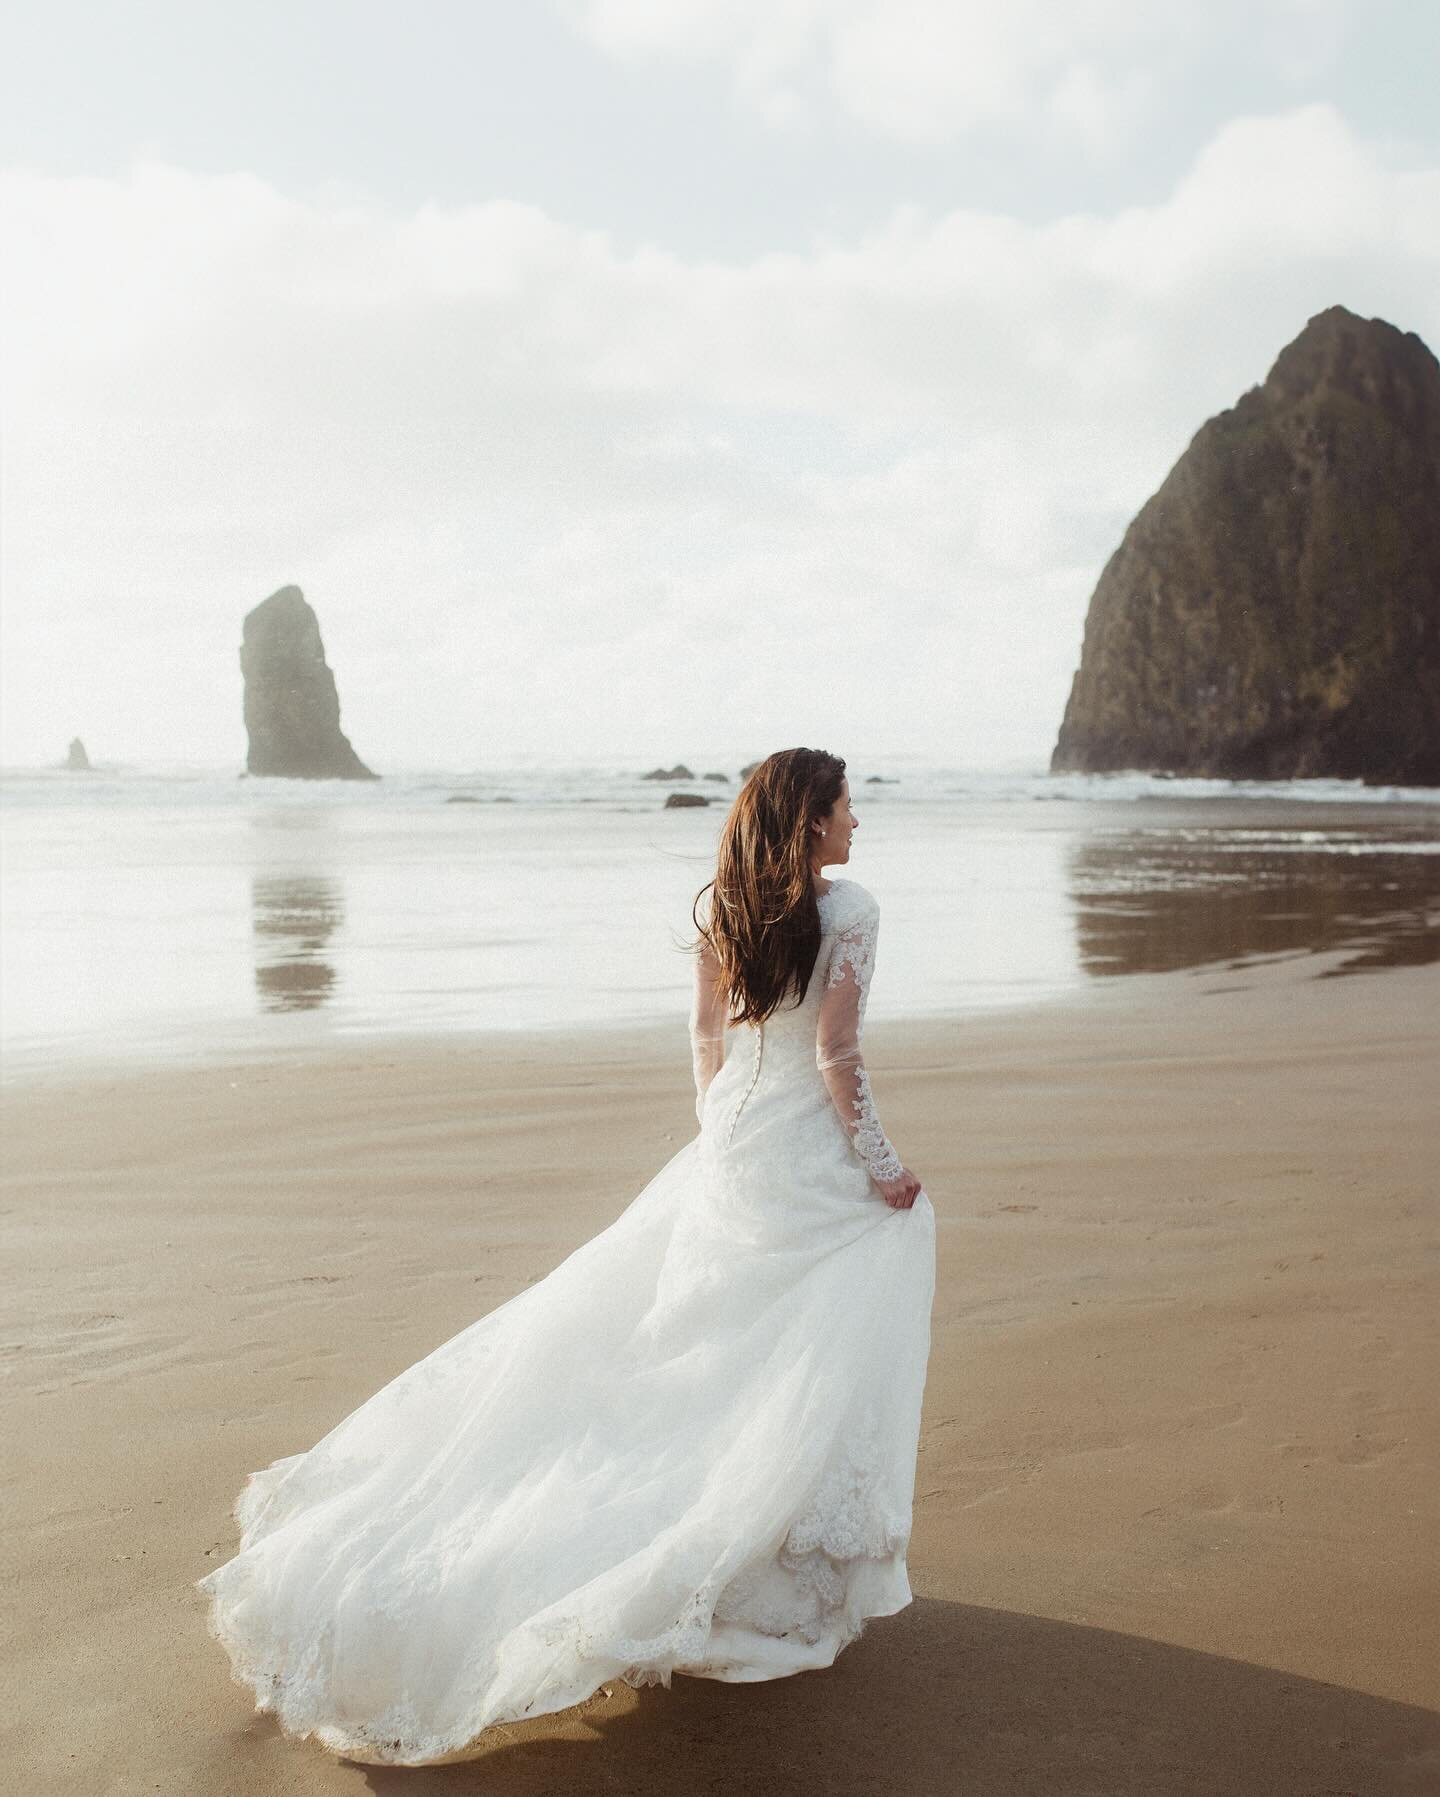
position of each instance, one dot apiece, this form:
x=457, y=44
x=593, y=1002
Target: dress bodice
x=803, y=1062
x=789, y=1033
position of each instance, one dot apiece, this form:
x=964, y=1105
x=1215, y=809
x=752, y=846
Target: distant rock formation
x=724, y=779
x=748, y=769
x=679, y=800
x=292, y=710
x=678, y=772
x=1273, y=612
x=76, y=760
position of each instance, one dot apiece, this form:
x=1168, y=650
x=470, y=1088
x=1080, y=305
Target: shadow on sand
x=974, y=1703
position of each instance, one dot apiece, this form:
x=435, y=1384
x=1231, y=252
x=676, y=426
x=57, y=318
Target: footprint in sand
x=1360, y=1450
x=1365, y=1450
x=1202, y=1500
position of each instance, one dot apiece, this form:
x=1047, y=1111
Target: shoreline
x=568, y=1041
x=143, y=934
x=1179, y=1437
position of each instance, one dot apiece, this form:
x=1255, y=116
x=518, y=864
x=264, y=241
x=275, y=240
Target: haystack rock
x=76, y=760
x=292, y=710
x=1273, y=612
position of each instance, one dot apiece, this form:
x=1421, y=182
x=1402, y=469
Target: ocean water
x=158, y=913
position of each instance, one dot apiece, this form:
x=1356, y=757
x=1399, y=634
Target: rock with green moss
x=1273, y=612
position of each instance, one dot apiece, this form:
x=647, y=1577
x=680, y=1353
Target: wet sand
x=1176, y=1509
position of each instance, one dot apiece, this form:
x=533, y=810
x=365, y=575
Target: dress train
x=690, y=1448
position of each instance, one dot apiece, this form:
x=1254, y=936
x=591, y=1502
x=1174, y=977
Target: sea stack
x=292, y=709
x=76, y=760
x=1273, y=612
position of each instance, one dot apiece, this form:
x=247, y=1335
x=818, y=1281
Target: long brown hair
x=764, y=923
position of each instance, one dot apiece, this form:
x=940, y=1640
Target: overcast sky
x=651, y=378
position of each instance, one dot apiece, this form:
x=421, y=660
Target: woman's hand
x=902, y=1191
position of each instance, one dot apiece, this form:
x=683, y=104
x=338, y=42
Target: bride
x=691, y=1448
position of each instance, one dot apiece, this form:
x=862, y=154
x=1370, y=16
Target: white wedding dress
x=691, y=1448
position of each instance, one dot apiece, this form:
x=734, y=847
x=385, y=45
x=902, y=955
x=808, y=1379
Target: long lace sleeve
x=837, y=1044
x=709, y=1018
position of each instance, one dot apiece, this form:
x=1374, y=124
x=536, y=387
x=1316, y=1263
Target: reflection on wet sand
x=295, y=917
x=1151, y=901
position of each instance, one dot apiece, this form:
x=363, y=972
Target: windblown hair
x=764, y=923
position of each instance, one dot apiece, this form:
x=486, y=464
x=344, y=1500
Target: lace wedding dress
x=691, y=1448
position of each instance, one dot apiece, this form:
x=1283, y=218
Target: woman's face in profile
x=833, y=842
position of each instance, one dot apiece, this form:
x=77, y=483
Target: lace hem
x=807, y=1589
x=805, y=1592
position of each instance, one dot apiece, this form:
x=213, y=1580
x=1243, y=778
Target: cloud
x=550, y=495
x=1090, y=73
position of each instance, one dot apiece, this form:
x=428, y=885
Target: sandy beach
x=1176, y=1508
